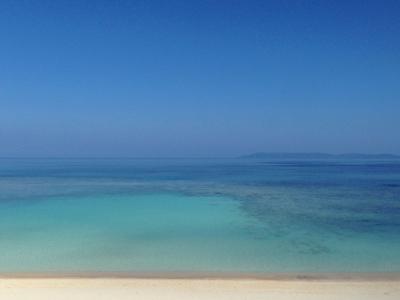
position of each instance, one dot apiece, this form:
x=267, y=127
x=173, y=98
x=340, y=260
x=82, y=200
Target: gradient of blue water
x=228, y=215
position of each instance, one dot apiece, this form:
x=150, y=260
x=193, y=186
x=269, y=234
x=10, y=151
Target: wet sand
x=196, y=288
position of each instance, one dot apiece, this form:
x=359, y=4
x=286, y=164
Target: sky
x=217, y=78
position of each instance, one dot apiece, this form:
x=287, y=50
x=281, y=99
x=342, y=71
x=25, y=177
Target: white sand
x=204, y=289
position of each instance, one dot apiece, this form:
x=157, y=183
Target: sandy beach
x=201, y=289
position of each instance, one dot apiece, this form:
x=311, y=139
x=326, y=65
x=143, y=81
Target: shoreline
x=300, y=276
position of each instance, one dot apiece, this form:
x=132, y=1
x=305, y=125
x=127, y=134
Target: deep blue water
x=199, y=215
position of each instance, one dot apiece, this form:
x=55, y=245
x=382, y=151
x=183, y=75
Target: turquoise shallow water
x=199, y=216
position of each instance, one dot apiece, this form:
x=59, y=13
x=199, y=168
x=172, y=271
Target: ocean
x=199, y=215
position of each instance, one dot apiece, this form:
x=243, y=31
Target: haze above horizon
x=198, y=78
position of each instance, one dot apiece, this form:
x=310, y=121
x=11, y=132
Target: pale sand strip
x=195, y=289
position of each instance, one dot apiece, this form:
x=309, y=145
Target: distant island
x=318, y=155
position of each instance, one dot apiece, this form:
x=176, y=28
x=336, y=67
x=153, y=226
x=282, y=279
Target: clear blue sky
x=198, y=78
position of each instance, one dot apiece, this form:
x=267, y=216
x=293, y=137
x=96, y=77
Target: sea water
x=199, y=215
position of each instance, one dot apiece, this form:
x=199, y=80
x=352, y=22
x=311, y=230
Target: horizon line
x=197, y=157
